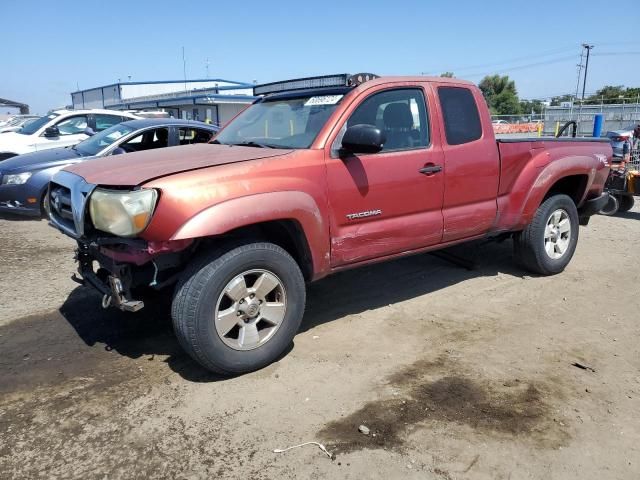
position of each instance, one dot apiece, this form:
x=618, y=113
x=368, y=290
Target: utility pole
x=586, y=68
x=579, y=74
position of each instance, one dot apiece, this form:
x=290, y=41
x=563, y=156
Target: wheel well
x=7, y=155
x=287, y=234
x=574, y=186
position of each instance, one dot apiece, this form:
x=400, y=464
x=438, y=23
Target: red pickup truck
x=317, y=175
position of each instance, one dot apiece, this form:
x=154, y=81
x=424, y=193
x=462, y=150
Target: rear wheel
x=612, y=206
x=548, y=243
x=237, y=312
x=626, y=203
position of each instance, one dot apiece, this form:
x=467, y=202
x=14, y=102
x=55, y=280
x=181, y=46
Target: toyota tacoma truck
x=316, y=176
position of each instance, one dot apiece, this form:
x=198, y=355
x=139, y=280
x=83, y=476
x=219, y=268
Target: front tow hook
x=118, y=298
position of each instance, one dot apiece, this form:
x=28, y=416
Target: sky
x=49, y=49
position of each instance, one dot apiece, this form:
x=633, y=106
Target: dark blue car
x=24, y=179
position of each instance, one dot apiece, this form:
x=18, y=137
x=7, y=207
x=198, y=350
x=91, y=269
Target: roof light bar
x=338, y=80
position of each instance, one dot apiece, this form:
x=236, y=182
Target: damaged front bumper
x=117, y=268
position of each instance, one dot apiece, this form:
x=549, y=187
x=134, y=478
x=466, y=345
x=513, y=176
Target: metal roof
x=155, y=82
x=188, y=99
x=160, y=122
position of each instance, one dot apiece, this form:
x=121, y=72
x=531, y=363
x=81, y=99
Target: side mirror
x=51, y=132
x=118, y=151
x=89, y=132
x=363, y=139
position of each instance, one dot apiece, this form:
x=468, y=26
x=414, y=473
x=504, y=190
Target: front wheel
x=237, y=312
x=548, y=243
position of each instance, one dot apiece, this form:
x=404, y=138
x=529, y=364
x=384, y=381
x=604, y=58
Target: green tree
x=613, y=94
x=606, y=94
x=556, y=101
x=501, y=94
x=528, y=106
x=506, y=103
x=447, y=75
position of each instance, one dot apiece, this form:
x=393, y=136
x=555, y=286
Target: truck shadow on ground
x=630, y=215
x=149, y=332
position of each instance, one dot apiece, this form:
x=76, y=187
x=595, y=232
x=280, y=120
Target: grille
x=68, y=194
x=60, y=205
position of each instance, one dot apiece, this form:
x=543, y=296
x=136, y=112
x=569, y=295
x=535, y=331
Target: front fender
x=252, y=209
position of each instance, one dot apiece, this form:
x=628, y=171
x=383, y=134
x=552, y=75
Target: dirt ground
x=458, y=374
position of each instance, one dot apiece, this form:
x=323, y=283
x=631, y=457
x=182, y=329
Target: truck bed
x=517, y=154
x=553, y=139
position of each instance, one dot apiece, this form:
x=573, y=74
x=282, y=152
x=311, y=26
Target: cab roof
x=341, y=83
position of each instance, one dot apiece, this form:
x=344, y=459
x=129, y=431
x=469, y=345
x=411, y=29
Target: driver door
x=381, y=204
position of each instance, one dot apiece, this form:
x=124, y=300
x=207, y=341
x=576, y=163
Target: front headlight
x=122, y=213
x=17, y=179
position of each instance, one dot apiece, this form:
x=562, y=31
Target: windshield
x=280, y=123
x=93, y=145
x=36, y=125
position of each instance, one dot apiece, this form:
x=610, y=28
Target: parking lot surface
x=482, y=374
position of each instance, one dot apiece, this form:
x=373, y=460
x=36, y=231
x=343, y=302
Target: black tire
x=43, y=205
x=612, y=206
x=529, y=245
x=196, y=298
x=626, y=203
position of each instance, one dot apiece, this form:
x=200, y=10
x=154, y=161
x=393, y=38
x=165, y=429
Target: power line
x=614, y=54
x=546, y=53
x=523, y=67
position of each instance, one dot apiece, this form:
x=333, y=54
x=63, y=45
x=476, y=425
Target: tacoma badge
x=368, y=213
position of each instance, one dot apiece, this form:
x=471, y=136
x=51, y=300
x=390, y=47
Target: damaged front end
x=119, y=268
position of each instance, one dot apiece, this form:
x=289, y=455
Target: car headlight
x=122, y=213
x=17, y=179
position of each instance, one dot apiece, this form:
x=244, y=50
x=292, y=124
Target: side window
x=105, y=121
x=73, y=125
x=460, y=112
x=194, y=135
x=150, y=139
x=401, y=114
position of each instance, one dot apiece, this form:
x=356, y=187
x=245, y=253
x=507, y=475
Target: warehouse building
x=216, y=99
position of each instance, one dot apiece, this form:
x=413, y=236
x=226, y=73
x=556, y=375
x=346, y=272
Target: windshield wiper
x=254, y=144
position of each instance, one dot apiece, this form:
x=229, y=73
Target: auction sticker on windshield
x=323, y=100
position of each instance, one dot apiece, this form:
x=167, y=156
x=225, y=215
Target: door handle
x=430, y=169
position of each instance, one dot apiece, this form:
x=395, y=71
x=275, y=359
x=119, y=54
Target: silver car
x=618, y=139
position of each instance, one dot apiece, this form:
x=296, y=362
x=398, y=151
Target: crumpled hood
x=52, y=157
x=137, y=168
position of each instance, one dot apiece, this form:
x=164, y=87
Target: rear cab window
x=460, y=112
